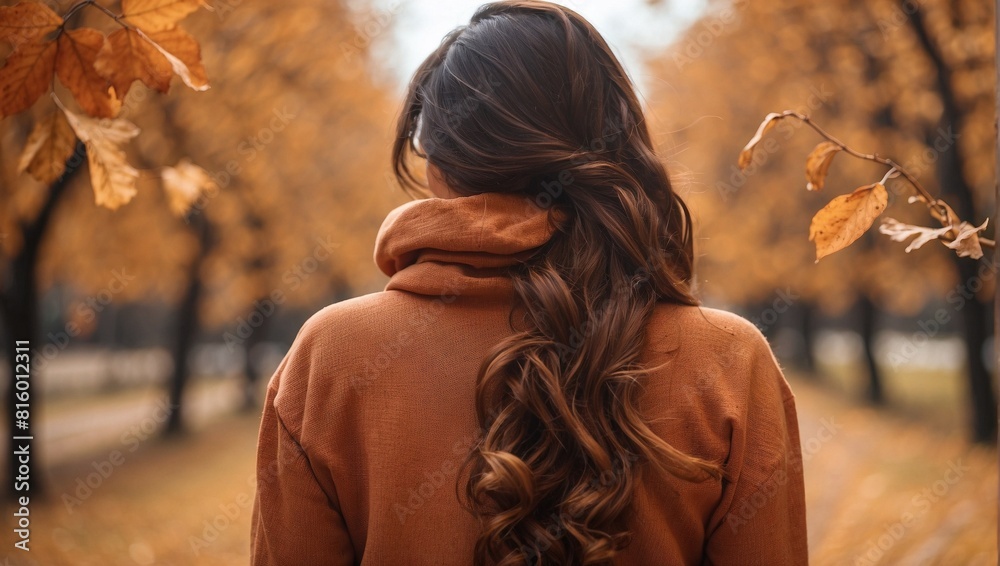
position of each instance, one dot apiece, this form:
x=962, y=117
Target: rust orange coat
x=371, y=413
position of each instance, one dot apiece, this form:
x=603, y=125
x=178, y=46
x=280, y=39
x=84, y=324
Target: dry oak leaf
x=184, y=183
x=899, y=232
x=49, y=145
x=27, y=21
x=818, y=163
x=844, y=219
x=26, y=75
x=746, y=156
x=78, y=49
x=112, y=178
x=966, y=242
x=184, y=55
x=127, y=56
x=157, y=15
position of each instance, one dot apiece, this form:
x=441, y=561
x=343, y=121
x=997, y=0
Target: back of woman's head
x=529, y=99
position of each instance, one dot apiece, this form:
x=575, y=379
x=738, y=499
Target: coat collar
x=460, y=246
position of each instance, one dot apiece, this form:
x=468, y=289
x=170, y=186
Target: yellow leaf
x=78, y=49
x=844, y=219
x=112, y=178
x=128, y=57
x=818, y=163
x=25, y=76
x=49, y=146
x=183, y=184
x=157, y=15
x=184, y=55
x=746, y=156
x=27, y=21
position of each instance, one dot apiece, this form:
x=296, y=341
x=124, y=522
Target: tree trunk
x=996, y=211
x=806, y=329
x=950, y=173
x=19, y=311
x=982, y=397
x=21, y=323
x=869, y=320
x=251, y=377
x=186, y=329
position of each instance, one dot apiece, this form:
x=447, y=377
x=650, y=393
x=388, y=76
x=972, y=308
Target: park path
x=882, y=489
x=73, y=428
x=188, y=503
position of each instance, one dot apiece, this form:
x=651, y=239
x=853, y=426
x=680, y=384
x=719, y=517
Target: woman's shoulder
x=356, y=317
x=708, y=327
x=718, y=347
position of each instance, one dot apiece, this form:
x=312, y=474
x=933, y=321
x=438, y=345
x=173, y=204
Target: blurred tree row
x=292, y=138
x=902, y=79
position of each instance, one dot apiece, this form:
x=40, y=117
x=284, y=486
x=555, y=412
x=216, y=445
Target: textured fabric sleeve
x=294, y=520
x=761, y=518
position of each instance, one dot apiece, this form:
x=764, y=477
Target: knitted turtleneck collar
x=459, y=246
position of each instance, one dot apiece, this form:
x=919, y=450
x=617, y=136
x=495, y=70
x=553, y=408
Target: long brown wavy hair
x=529, y=99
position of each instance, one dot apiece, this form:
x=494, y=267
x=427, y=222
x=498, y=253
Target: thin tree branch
x=938, y=209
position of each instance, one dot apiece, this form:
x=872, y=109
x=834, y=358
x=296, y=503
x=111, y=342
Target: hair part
x=529, y=99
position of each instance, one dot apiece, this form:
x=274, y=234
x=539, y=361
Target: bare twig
x=935, y=206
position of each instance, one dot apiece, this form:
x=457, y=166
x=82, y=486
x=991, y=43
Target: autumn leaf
x=157, y=15
x=844, y=219
x=899, y=232
x=184, y=183
x=25, y=76
x=78, y=49
x=26, y=22
x=746, y=156
x=49, y=145
x=818, y=163
x=127, y=57
x=184, y=55
x=112, y=178
x=966, y=242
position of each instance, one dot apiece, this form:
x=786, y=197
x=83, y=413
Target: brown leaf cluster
x=292, y=183
x=98, y=70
